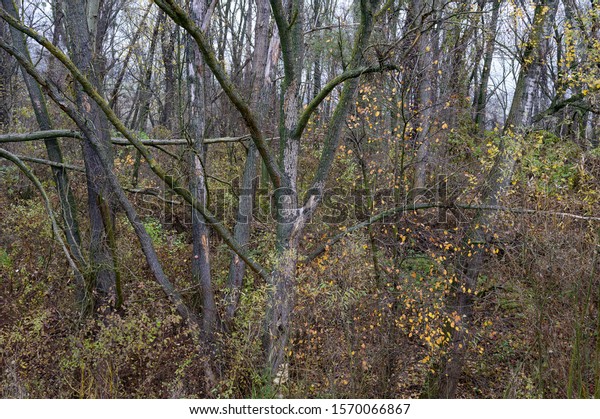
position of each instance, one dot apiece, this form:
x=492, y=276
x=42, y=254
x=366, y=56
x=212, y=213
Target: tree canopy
x=299, y=198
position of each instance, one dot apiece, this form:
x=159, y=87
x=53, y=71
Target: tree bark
x=497, y=182
x=292, y=219
x=145, y=95
x=243, y=226
x=197, y=125
x=6, y=70
x=61, y=179
x=99, y=194
x=426, y=94
x=167, y=37
x=490, y=39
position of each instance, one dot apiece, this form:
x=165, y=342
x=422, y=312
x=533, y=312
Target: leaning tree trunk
x=65, y=194
x=497, y=182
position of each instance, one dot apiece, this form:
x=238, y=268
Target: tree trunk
x=282, y=279
x=490, y=39
x=65, y=194
x=114, y=95
x=200, y=230
x=497, y=182
x=292, y=219
x=6, y=70
x=145, y=95
x=167, y=36
x=237, y=267
x=99, y=194
x=426, y=95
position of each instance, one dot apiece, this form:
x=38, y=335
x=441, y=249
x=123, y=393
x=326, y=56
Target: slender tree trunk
x=145, y=83
x=61, y=179
x=145, y=96
x=497, y=183
x=241, y=233
x=197, y=125
x=490, y=39
x=6, y=72
x=317, y=71
x=114, y=95
x=167, y=35
x=426, y=97
x=237, y=267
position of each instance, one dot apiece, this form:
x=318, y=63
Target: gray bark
x=241, y=233
x=167, y=39
x=282, y=278
x=99, y=194
x=291, y=219
x=243, y=226
x=6, y=73
x=490, y=39
x=197, y=125
x=61, y=179
x=145, y=95
x=426, y=94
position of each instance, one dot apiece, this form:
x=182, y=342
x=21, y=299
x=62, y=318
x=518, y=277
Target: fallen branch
x=152, y=192
x=65, y=133
x=51, y=163
x=180, y=141
x=529, y=211
x=40, y=135
x=325, y=246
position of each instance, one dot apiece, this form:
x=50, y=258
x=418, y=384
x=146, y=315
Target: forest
x=358, y=199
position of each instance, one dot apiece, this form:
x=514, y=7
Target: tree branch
x=323, y=247
x=55, y=228
x=283, y=28
x=59, y=98
x=398, y=210
x=557, y=106
x=51, y=163
x=180, y=17
x=40, y=135
x=328, y=88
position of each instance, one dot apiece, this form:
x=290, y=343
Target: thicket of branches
x=312, y=198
